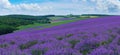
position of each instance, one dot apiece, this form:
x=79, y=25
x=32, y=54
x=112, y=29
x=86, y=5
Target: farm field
x=59, y=27
x=59, y=21
x=97, y=36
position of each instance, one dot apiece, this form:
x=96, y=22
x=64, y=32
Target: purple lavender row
x=99, y=36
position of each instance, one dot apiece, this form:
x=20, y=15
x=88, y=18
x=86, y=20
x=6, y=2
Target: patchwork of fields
x=99, y=36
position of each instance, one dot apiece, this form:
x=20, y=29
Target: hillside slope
x=98, y=36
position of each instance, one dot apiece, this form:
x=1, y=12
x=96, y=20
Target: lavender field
x=97, y=36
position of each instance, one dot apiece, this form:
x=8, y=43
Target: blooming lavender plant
x=100, y=36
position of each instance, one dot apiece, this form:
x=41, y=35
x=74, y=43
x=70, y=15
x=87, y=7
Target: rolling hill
x=98, y=36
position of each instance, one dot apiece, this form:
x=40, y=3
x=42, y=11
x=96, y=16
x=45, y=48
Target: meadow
x=89, y=36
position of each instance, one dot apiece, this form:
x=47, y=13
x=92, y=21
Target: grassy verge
x=47, y=25
x=30, y=26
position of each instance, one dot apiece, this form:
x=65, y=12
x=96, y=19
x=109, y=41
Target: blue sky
x=59, y=7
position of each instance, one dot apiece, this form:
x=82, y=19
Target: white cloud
x=6, y=6
x=36, y=8
x=102, y=6
x=115, y=2
x=107, y=5
x=4, y=2
x=65, y=7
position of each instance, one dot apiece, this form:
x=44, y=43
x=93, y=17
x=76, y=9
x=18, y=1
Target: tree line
x=9, y=23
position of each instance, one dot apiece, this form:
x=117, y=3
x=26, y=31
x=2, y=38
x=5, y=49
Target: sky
x=59, y=7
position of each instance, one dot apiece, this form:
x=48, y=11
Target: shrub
x=27, y=45
x=4, y=29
